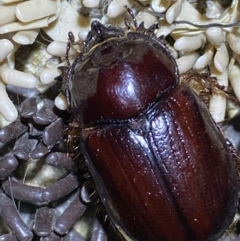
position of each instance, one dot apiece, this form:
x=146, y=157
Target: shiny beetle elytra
x=161, y=166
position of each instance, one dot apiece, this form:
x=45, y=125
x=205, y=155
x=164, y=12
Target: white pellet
x=190, y=43
x=218, y=102
x=47, y=75
x=7, y=14
x=116, y=8
x=204, y=60
x=221, y=58
x=174, y=11
x=91, y=3
x=25, y=37
x=165, y=30
x=234, y=77
x=147, y=18
x=160, y=6
x=61, y=102
x=82, y=34
x=17, y=78
x=234, y=43
x=6, y=47
x=18, y=26
x=187, y=61
x=28, y=11
x=68, y=20
x=7, y=108
x=217, y=107
x=215, y=36
x=58, y=48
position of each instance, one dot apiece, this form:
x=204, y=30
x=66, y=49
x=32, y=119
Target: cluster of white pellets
x=218, y=37
x=20, y=22
x=216, y=41
x=215, y=34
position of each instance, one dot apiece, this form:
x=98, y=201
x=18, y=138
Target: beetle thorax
x=120, y=79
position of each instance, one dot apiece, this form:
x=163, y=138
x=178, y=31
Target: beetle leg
x=70, y=40
x=205, y=85
x=12, y=131
x=132, y=16
x=68, y=96
x=98, y=29
x=63, y=77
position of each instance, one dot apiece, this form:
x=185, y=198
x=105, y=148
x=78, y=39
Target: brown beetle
x=161, y=166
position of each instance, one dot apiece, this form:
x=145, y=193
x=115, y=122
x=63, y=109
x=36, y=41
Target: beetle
x=161, y=166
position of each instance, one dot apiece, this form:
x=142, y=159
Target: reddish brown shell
x=161, y=166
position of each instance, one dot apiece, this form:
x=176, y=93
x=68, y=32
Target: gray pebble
x=23, y=146
x=60, y=159
x=44, y=221
x=11, y=131
x=69, y=217
x=35, y=130
x=98, y=233
x=51, y=237
x=45, y=115
x=73, y=235
x=12, y=219
x=29, y=107
x=39, y=151
x=60, y=188
x=53, y=133
x=8, y=237
x=23, y=192
x=7, y=165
